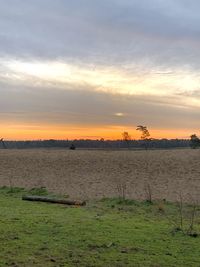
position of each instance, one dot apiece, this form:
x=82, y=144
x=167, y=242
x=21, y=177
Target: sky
x=94, y=69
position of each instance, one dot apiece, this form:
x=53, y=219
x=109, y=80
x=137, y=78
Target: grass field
x=106, y=233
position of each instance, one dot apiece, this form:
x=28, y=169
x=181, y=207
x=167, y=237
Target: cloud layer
x=82, y=63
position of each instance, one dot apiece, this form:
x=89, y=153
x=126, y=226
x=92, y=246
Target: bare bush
x=185, y=219
x=148, y=191
x=121, y=189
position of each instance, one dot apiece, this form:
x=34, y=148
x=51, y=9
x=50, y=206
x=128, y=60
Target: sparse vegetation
x=185, y=219
x=148, y=191
x=121, y=189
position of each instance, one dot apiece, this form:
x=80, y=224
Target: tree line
x=98, y=144
x=145, y=142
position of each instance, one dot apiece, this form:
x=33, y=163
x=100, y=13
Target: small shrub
x=41, y=191
x=11, y=190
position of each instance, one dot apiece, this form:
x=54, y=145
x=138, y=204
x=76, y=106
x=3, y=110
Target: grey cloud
x=72, y=107
x=165, y=33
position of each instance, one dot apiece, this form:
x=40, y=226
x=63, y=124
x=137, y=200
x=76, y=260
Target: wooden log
x=54, y=200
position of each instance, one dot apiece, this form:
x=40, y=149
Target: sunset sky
x=92, y=69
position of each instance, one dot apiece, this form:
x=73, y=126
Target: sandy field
x=89, y=174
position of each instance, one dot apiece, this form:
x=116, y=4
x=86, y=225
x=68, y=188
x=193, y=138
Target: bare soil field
x=89, y=174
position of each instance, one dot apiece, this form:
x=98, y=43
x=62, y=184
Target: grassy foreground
x=106, y=233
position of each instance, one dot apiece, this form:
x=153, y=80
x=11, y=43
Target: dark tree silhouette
x=126, y=138
x=145, y=135
x=194, y=141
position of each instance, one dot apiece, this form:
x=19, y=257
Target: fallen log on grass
x=53, y=200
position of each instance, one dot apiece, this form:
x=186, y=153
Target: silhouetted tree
x=145, y=135
x=194, y=141
x=126, y=138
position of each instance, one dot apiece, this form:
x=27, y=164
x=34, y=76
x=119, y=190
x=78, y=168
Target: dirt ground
x=88, y=174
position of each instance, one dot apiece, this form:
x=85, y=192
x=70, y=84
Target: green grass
x=107, y=233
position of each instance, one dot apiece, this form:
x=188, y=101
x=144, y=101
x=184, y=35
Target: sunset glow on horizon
x=24, y=132
x=71, y=72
